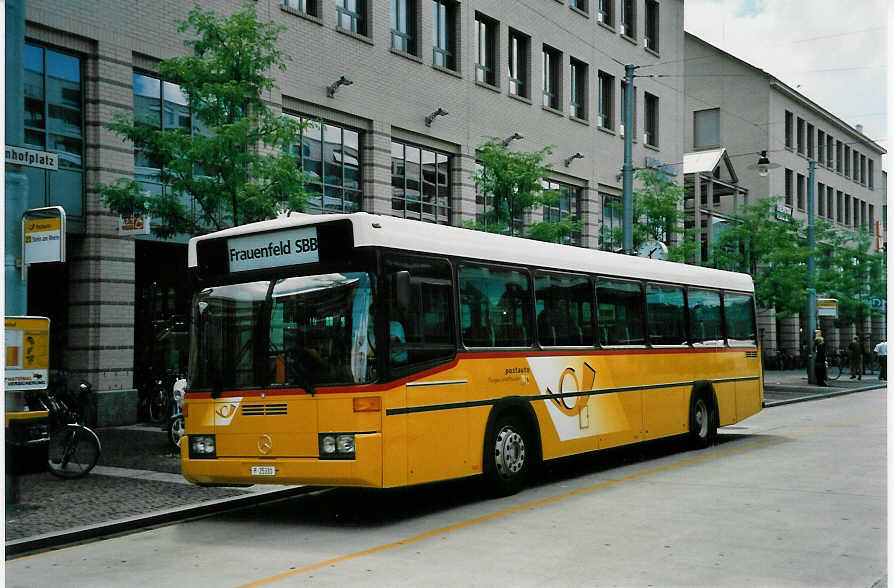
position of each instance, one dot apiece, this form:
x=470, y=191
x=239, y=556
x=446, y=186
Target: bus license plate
x=263, y=470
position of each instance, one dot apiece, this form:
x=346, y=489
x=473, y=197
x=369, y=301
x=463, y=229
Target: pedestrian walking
x=855, y=357
x=819, y=360
x=881, y=351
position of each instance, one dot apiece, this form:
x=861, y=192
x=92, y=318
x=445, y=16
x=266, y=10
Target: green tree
x=237, y=169
x=658, y=215
x=848, y=269
x=512, y=182
x=774, y=251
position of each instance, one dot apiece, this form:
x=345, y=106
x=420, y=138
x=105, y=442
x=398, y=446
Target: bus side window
x=705, y=318
x=424, y=332
x=620, y=312
x=563, y=309
x=665, y=310
x=738, y=314
x=496, y=307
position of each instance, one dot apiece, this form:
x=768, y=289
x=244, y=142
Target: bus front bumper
x=364, y=470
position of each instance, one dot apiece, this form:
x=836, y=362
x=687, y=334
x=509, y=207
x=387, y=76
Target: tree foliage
x=847, y=269
x=234, y=163
x=658, y=215
x=512, y=183
x=774, y=251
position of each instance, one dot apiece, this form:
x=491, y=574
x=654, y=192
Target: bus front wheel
x=509, y=454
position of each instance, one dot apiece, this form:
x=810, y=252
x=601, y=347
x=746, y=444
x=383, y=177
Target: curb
x=50, y=541
x=821, y=395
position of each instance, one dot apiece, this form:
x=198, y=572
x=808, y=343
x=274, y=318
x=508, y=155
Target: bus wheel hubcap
x=701, y=418
x=510, y=452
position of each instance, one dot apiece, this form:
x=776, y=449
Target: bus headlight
x=202, y=447
x=336, y=446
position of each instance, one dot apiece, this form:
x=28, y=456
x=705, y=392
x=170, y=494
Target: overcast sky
x=833, y=52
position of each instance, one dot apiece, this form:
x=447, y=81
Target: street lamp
x=342, y=81
x=434, y=115
x=763, y=167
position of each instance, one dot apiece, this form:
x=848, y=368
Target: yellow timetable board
x=27, y=352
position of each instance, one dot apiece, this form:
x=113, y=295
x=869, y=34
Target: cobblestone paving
x=49, y=504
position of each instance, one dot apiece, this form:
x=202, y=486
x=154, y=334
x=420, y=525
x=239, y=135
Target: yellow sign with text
x=27, y=352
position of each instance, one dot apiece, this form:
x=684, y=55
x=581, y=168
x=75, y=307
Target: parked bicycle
x=834, y=366
x=74, y=449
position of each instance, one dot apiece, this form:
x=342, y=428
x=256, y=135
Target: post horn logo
x=265, y=444
x=225, y=411
x=573, y=405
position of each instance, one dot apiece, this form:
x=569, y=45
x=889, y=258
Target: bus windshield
x=300, y=331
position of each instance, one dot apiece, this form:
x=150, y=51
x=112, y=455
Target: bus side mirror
x=403, y=292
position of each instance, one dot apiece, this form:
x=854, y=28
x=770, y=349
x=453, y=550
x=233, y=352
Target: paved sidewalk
x=138, y=482
x=786, y=387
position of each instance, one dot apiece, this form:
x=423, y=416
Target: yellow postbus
x=364, y=350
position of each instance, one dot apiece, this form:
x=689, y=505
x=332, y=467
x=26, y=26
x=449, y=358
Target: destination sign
x=274, y=249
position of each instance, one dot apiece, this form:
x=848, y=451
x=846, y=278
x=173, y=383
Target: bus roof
x=412, y=235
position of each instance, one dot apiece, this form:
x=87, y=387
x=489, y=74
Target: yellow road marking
x=508, y=511
x=542, y=502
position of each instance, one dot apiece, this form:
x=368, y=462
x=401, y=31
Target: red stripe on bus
x=373, y=388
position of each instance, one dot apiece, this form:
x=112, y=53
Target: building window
x=838, y=156
x=444, y=33
x=800, y=187
x=847, y=161
x=830, y=151
x=159, y=105
x=352, y=16
x=821, y=199
x=847, y=210
x=486, y=43
x=54, y=122
x=839, y=207
x=651, y=36
x=651, y=120
x=310, y=7
x=623, y=125
x=330, y=155
x=420, y=183
x=872, y=218
x=403, y=26
x=707, y=128
x=565, y=207
x=519, y=51
x=788, y=186
x=810, y=138
x=863, y=223
x=552, y=78
x=870, y=172
x=611, y=222
x=862, y=169
x=606, y=100
x=821, y=147
x=578, y=103
x=799, y=135
x=628, y=18
x=582, y=5
x=789, y=130
x=606, y=14
x=830, y=203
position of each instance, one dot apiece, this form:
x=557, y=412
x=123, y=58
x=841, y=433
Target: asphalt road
x=794, y=496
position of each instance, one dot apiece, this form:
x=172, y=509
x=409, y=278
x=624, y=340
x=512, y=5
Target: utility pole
x=811, y=271
x=627, y=212
x=16, y=183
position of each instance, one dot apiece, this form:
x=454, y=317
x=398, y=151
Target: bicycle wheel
x=833, y=370
x=159, y=406
x=73, y=451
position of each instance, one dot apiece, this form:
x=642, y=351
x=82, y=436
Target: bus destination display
x=276, y=249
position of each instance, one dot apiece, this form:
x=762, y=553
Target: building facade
x=550, y=71
x=733, y=105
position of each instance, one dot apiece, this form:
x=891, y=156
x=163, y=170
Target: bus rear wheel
x=509, y=456
x=702, y=423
